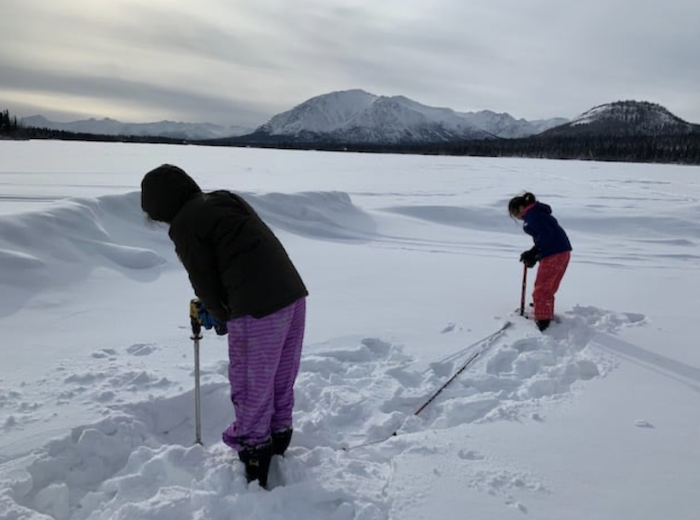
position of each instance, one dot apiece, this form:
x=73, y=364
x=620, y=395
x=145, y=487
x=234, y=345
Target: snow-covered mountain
x=356, y=116
x=506, y=126
x=106, y=126
x=625, y=118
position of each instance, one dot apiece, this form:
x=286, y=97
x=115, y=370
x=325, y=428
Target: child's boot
x=543, y=324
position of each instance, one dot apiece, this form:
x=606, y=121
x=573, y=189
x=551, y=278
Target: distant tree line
x=8, y=124
x=677, y=149
x=671, y=148
x=10, y=128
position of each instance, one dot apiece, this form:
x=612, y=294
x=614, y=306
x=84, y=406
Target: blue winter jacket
x=548, y=235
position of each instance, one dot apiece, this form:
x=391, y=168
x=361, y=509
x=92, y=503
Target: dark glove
x=530, y=257
x=210, y=322
x=221, y=328
x=205, y=318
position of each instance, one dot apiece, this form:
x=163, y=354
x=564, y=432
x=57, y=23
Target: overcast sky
x=243, y=61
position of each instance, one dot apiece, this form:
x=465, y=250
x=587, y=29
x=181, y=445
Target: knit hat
x=164, y=190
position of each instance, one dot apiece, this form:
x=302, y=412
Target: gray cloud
x=117, y=92
x=240, y=62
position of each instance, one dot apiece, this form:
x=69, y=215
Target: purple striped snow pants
x=264, y=357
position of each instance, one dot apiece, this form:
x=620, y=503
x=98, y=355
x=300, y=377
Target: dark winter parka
x=235, y=263
x=548, y=235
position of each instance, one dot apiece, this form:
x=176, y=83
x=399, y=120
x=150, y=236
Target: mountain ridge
x=164, y=128
x=358, y=117
x=361, y=117
x=627, y=118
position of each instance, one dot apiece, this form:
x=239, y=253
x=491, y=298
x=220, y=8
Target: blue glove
x=210, y=322
x=206, y=319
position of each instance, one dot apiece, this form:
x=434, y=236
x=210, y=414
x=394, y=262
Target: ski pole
x=463, y=368
x=196, y=336
x=524, y=288
x=484, y=342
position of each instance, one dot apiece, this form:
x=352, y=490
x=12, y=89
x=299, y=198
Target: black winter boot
x=281, y=440
x=257, y=461
x=543, y=324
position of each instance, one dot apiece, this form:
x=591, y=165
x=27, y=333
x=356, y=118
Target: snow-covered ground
x=411, y=262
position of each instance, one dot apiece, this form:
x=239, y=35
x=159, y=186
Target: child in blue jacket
x=552, y=249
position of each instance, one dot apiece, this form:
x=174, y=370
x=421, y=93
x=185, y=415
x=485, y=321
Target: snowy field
x=410, y=262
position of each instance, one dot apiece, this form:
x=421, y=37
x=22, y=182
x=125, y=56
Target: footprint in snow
x=104, y=353
x=470, y=455
x=141, y=349
x=449, y=328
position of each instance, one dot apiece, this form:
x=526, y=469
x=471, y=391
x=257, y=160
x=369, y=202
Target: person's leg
x=287, y=371
x=255, y=347
x=562, y=263
x=549, y=276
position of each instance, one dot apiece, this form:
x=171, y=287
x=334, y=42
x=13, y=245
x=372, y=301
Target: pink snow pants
x=549, y=275
x=264, y=356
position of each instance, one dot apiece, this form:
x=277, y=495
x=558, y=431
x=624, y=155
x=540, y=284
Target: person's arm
x=199, y=259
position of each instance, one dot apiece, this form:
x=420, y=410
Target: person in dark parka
x=243, y=276
x=552, y=249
